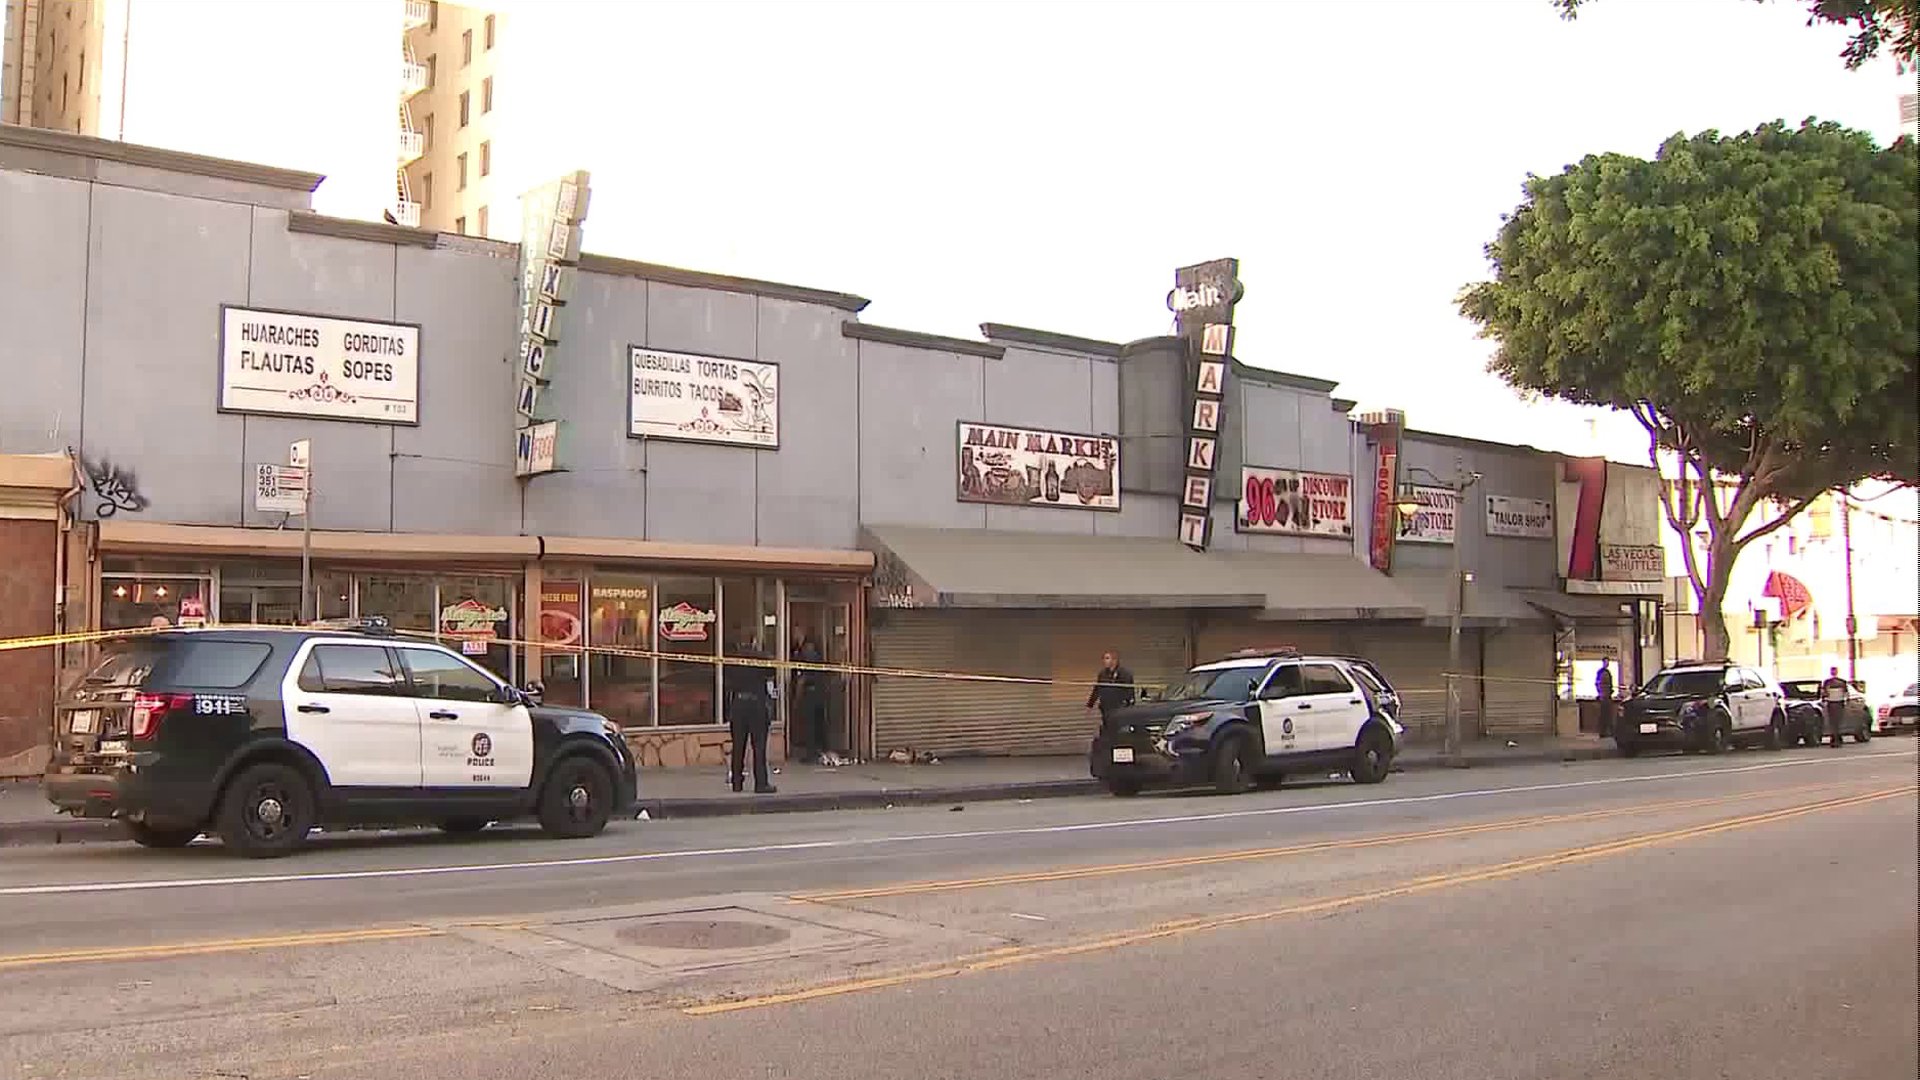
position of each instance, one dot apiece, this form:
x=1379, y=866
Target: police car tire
x=1231, y=774
x=559, y=814
x=152, y=836
x=242, y=827
x=1372, y=757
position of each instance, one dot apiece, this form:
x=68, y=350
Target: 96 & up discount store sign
x=289, y=364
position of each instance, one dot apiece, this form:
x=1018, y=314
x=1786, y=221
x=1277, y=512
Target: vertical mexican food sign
x=1202, y=303
x=549, y=250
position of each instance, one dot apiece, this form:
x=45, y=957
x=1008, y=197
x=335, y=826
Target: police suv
x=260, y=735
x=1254, y=717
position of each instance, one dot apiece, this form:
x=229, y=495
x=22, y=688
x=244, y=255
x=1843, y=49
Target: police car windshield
x=1219, y=684
x=1685, y=682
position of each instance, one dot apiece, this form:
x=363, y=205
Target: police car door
x=1339, y=709
x=346, y=702
x=1285, y=716
x=470, y=737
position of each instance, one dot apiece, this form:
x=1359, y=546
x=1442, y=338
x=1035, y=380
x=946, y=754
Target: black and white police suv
x=260, y=735
x=1254, y=717
x=1705, y=708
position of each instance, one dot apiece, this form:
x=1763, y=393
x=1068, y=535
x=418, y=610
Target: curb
x=84, y=831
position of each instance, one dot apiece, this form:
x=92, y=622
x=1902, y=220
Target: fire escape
x=413, y=144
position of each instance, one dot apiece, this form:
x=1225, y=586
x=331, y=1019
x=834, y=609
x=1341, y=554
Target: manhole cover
x=702, y=934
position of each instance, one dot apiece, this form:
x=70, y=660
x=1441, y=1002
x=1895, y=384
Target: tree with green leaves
x=1751, y=300
x=1876, y=25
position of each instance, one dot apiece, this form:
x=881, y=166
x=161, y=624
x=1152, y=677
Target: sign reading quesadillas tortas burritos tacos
x=708, y=399
x=1009, y=466
x=287, y=364
x=1295, y=502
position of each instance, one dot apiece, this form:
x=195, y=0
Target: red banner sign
x=1385, y=481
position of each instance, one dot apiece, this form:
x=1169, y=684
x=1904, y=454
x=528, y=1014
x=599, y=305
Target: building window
x=465, y=108
x=433, y=71
x=460, y=225
x=426, y=191
x=489, y=33
x=466, y=47
x=481, y=222
x=463, y=172
x=688, y=625
x=619, y=616
x=426, y=132
x=486, y=95
x=486, y=159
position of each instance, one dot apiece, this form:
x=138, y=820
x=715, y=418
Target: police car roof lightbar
x=365, y=624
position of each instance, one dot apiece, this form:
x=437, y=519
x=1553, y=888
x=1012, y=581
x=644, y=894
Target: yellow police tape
x=97, y=636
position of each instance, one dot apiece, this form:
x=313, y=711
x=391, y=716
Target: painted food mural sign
x=1023, y=467
x=704, y=399
x=1291, y=501
x=329, y=369
x=472, y=623
x=560, y=612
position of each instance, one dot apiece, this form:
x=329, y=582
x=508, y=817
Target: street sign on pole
x=280, y=489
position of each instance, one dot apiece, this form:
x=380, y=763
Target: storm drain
x=702, y=934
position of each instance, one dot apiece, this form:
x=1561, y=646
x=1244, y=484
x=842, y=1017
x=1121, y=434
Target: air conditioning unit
x=1383, y=418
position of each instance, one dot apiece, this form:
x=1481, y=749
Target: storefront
x=1045, y=606
x=640, y=632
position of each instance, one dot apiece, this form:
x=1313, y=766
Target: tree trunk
x=1712, y=594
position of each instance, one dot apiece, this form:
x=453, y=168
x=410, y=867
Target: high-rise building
x=65, y=65
x=449, y=123
x=1910, y=115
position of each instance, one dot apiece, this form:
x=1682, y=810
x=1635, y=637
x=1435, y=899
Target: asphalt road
x=1746, y=916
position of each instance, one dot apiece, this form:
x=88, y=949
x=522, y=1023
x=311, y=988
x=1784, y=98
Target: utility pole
x=1456, y=601
x=1853, y=626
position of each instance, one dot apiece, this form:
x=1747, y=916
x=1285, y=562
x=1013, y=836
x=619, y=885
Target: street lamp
x=1456, y=593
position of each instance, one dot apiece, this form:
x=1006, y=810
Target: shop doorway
x=820, y=625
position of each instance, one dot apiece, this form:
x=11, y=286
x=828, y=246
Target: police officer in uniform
x=1833, y=700
x=749, y=703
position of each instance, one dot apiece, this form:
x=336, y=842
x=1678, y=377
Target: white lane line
x=904, y=838
x=1029, y=918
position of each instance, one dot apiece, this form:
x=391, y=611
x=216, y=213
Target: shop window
x=476, y=617
x=620, y=616
x=439, y=676
x=405, y=602
x=688, y=620
x=268, y=594
x=350, y=669
x=132, y=602
x=749, y=611
x=562, y=627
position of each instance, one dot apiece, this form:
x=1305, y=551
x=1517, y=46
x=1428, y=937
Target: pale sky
x=1049, y=164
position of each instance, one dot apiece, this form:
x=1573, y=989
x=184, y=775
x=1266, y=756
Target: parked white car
x=1902, y=710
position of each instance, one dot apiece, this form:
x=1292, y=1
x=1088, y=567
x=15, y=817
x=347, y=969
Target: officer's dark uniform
x=1833, y=701
x=1113, y=690
x=749, y=716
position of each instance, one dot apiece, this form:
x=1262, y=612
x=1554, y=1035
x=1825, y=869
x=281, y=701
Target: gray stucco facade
x=114, y=274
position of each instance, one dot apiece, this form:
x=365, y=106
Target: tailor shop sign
x=282, y=363
x=1006, y=466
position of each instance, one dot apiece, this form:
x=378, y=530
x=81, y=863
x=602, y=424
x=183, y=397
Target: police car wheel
x=160, y=837
x=267, y=811
x=1373, y=758
x=463, y=826
x=577, y=800
x=1232, y=772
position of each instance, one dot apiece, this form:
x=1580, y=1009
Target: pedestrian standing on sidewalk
x=1113, y=687
x=749, y=703
x=1603, y=689
x=1833, y=700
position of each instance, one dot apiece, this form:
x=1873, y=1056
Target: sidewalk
x=27, y=818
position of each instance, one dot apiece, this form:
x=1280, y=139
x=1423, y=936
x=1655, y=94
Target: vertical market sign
x=1202, y=303
x=549, y=250
x=1383, y=428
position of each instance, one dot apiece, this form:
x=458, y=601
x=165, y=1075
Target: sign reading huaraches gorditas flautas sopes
x=289, y=364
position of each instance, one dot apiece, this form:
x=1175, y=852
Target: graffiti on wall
x=115, y=489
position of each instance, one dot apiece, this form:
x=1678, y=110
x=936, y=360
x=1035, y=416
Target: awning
x=1485, y=604
x=160, y=538
x=1580, y=608
x=969, y=568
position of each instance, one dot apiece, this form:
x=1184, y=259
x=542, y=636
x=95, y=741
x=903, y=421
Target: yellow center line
x=230, y=945
x=1008, y=958
x=1317, y=847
